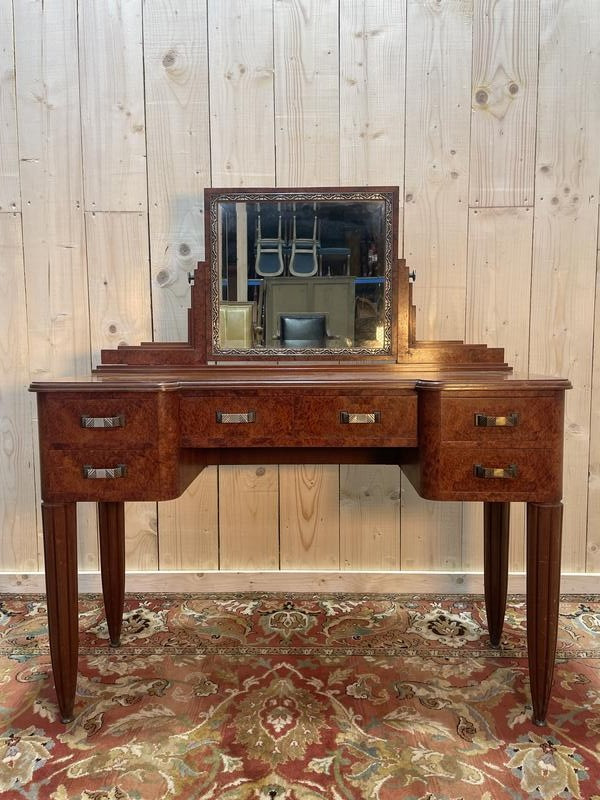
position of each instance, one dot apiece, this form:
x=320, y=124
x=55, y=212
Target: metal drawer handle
x=96, y=473
x=247, y=416
x=103, y=422
x=509, y=421
x=354, y=419
x=495, y=472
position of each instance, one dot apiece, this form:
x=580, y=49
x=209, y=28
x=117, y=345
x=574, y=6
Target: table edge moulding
x=454, y=417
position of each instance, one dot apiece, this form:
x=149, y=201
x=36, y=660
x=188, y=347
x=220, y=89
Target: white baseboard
x=301, y=581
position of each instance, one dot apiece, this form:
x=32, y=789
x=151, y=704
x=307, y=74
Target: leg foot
x=544, y=529
x=496, y=519
x=60, y=554
x=111, y=523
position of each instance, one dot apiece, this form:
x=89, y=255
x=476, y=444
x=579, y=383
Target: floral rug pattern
x=306, y=697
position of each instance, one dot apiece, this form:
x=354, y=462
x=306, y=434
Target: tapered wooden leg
x=111, y=523
x=544, y=530
x=496, y=519
x=60, y=554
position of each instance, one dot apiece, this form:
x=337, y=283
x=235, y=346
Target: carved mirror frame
x=387, y=195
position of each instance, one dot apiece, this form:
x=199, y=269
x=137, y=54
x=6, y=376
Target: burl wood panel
x=199, y=426
x=60, y=419
x=450, y=445
x=153, y=468
x=539, y=421
x=450, y=475
x=317, y=419
x=299, y=418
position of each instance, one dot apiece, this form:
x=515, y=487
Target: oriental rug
x=299, y=697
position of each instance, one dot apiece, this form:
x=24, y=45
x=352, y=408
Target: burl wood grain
x=450, y=445
x=299, y=418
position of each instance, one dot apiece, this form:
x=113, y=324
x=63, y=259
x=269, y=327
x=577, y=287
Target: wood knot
x=260, y=471
x=184, y=250
x=169, y=59
x=162, y=277
x=481, y=97
x=513, y=89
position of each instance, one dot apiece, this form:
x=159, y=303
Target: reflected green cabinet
x=332, y=296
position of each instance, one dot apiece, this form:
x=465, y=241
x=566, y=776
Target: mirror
x=301, y=272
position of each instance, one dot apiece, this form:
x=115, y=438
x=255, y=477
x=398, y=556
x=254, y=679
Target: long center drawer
x=299, y=419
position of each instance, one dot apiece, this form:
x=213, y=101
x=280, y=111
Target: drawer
x=119, y=475
x=351, y=420
x=110, y=420
x=474, y=473
x=234, y=420
x=501, y=421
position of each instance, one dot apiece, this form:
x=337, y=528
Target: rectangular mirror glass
x=296, y=272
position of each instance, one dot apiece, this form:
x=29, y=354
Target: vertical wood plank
x=593, y=520
x=498, y=306
x=52, y=190
x=307, y=135
x=505, y=59
x=119, y=281
x=112, y=105
x=437, y=162
x=499, y=281
x=189, y=526
x=372, y=87
x=51, y=178
x=369, y=517
x=141, y=536
x=565, y=234
x=309, y=517
x=177, y=122
x=241, y=59
x=307, y=92
x=18, y=535
x=424, y=546
x=248, y=516
x=10, y=196
x=176, y=84
x=435, y=223
x=241, y=92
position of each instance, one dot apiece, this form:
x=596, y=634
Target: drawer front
x=472, y=473
x=502, y=422
x=114, y=475
x=98, y=421
x=353, y=420
x=235, y=420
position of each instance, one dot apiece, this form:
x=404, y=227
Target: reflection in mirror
x=301, y=271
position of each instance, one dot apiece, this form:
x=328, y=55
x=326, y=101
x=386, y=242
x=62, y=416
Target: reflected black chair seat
x=303, y=330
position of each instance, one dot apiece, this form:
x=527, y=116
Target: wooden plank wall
x=115, y=115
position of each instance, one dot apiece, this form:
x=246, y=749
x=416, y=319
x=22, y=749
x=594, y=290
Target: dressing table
x=453, y=416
